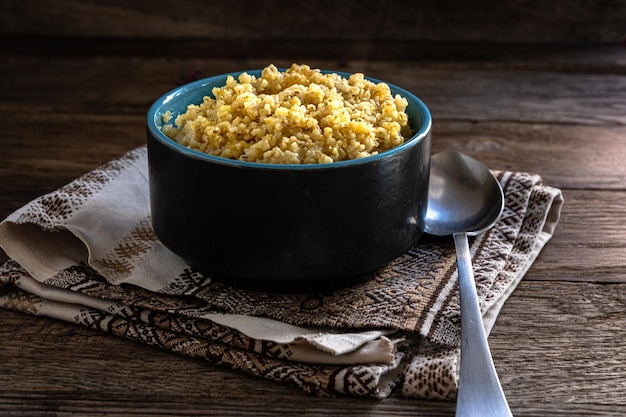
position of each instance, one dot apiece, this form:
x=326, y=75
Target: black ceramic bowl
x=286, y=227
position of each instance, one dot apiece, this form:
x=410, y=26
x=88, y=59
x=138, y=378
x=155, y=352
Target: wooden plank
x=516, y=21
x=568, y=155
x=40, y=144
x=588, y=244
x=128, y=86
x=556, y=344
x=564, y=57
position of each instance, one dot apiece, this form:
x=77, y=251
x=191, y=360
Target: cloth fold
x=87, y=254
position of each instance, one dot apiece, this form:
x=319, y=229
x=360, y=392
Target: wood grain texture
x=517, y=21
x=558, y=342
x=562, y=344
x=544, y=92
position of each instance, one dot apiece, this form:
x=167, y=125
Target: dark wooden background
x=367, y=29
x=488, y=21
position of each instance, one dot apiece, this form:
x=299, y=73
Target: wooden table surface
x=560, y=341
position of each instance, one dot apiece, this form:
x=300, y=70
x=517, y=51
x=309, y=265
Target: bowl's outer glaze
x=289, y=225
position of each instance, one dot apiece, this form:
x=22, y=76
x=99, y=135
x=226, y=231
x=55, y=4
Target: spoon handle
x=480, y=392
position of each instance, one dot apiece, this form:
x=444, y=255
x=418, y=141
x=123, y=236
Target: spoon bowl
x=465, y=199
x=463, y=196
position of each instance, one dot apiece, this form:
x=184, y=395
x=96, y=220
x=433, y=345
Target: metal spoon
x=464, y=199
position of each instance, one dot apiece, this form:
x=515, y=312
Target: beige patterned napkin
x=87, y=254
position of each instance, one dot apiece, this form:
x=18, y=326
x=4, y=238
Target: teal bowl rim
x=159, y=107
